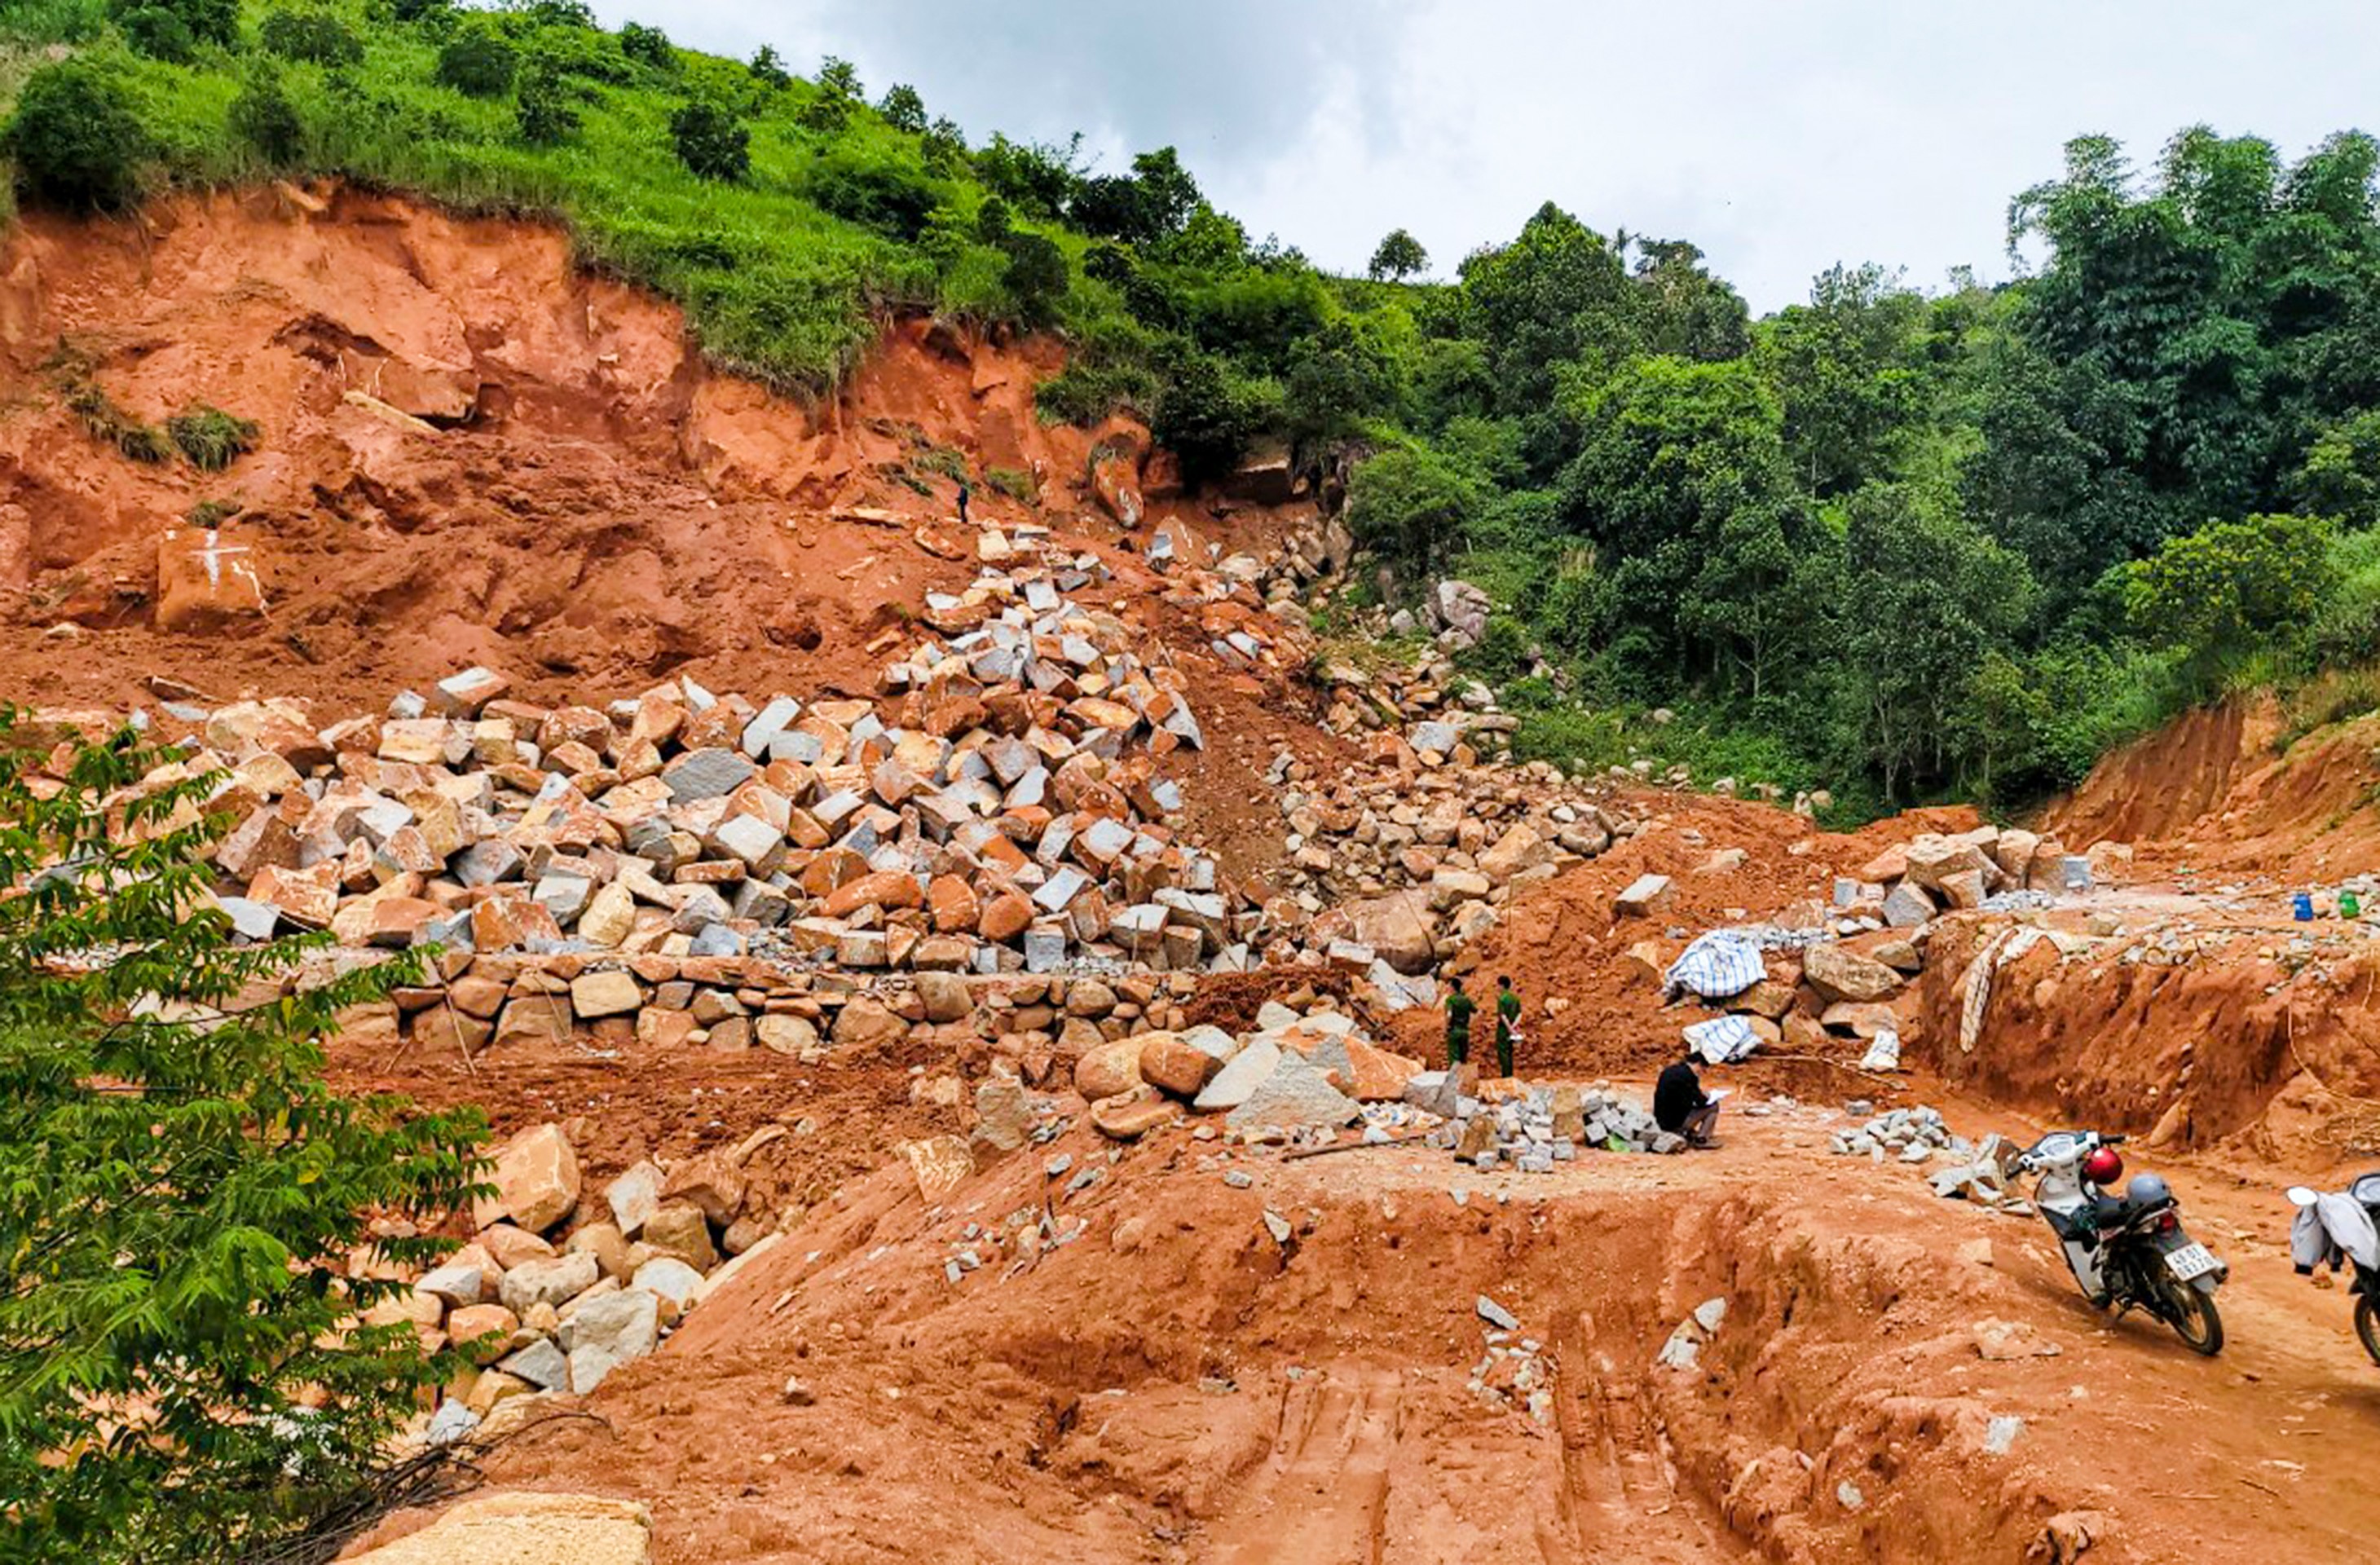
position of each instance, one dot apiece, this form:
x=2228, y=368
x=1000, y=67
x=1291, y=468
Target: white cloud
x=1782, y=138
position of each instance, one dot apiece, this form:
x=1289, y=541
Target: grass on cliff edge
x=775, y=286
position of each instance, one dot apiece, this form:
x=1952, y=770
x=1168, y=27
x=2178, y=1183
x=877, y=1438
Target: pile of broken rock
x=545, y=1305
x=1295, y=1072
x=997, y=808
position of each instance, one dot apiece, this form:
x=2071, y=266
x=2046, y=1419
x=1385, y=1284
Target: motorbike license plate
x=2191, y=1262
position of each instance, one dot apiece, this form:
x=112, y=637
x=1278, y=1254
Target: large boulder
x=1839, y=974
x=607, y=1332
x=527, y=1528
x=1179, y=1067
x=1109, y=1070
x=1401, y=930
x=536, y=1176
x=1933, y=859
x=206, y=580
x=1460, y=610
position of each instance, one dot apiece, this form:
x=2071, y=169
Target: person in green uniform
x=1508, y=1013
x=1459, y=1007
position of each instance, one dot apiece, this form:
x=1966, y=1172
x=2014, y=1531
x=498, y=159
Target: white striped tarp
x=1722, y=1039
x=1720, y=964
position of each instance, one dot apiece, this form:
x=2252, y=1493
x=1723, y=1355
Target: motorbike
x=2343, y=1227
x=2127, y=1251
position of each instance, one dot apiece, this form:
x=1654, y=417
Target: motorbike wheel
x=2194, y=1318
x=2367, y=1325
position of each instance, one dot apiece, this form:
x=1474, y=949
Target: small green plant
x=903, y=110
x=99, y=415
x=211, y=438
x=711, y=141
x=207, y=21
x=75, y=140
x=478, y=62
x=315, y=37
x=1012, y=482
x=212, y=513
x=826, y=113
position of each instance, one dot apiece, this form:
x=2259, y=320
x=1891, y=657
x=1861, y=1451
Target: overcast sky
x=1781, y=136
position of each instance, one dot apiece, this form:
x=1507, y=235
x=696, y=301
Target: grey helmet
x=2147, y=1190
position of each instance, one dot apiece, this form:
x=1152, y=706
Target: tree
x=2233, y=587
x=839, y=77
x=1926, y=598
x=648, y=46
x=478, y=62
x=903, y=110
x=1339, y=377
x=2340, y=476
x=1399, y=256
x=74, y=138
x=1205, y=418
x=1035, y=276
x=1843, y=366
x=1412, y=504
x=711, y=141
x=183, y=1200
x=768, y=69
x=264, y=118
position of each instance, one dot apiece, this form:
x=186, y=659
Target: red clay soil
x=1175, y=1385
x=2215, y=790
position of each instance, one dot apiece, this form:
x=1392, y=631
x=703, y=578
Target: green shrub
x=545, y=112
x=768, y=69
x=54, y=21
x=1015, y=484
x=316, y=37
x=839, y=77
x=711, y=141
x=207, y=22
x=826, y=113
x=158, y=33
x=211, y=438
x=74, y=138
x=647, y=45
x=894, y=201
x=184, y=1201
x=411, y=11
x=264, y=119
x=903, y=110
x=478, y=62
x=1035, y=276
x=1411, y=504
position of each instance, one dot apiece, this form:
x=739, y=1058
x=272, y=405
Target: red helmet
x=2104, y=1166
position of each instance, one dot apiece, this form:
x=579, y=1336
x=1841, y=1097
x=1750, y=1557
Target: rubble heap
x=998, y=809
x=1534, y=1128
x=1907, y=887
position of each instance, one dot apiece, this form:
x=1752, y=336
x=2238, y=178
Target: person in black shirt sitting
x=1680, y=1105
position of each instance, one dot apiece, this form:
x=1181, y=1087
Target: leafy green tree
x=263, y=117
x=2232, y=587
x=1925, y=600
x=839, y=77
x=710, y=141
x=1540, y=302
x=2340, y=476
x=768, y=69
x=182, y=1372
x=1400, y=256
x=1034, y=275
x=1037, y=179
x=316, y=37
x=826, y=113
x=1412, y=504
x=74, y=138
x=1205, y=418
x=1845, y=370
x=479, y=63
x=903, y=109
x=1678, y=308
x=1338, y=378
x=647, y=45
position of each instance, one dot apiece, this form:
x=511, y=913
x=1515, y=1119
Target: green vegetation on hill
x=1908, y=545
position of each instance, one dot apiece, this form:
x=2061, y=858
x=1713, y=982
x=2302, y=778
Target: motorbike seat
x=2366, y=1190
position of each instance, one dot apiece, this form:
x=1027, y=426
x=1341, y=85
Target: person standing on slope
x=1459, y=1007
x=1507, y=1016
x=963, y=502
